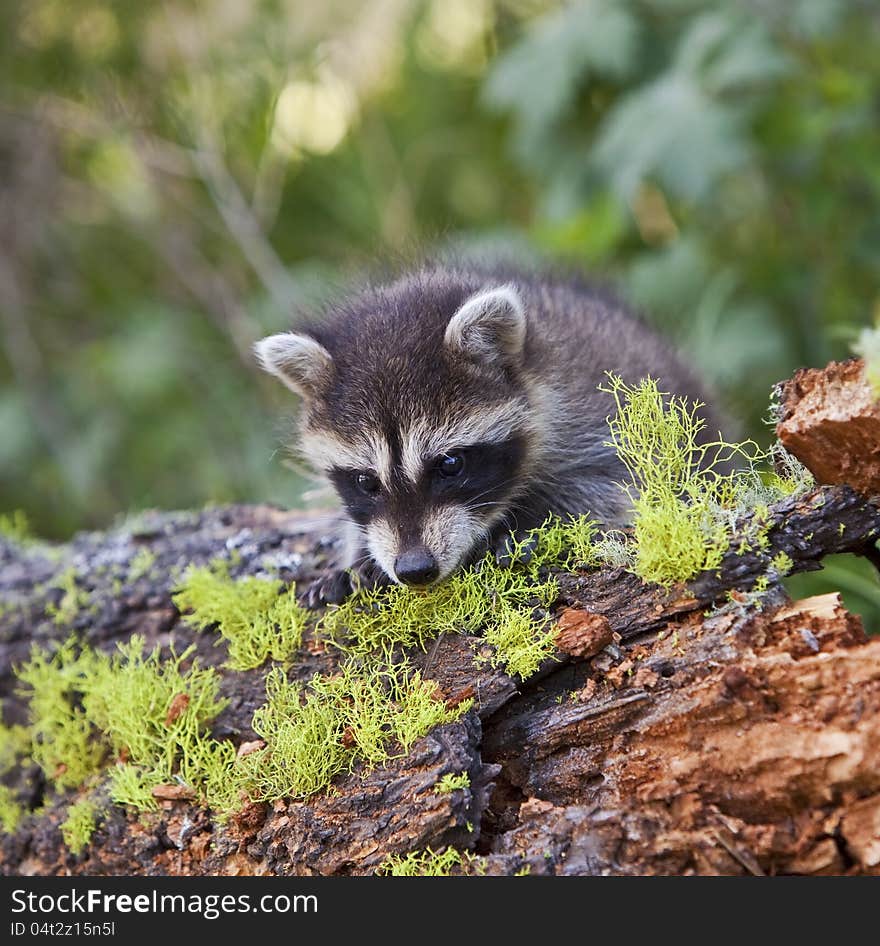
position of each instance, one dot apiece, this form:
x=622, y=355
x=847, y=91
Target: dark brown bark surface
x=703, y=729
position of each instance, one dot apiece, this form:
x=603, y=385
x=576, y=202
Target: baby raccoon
x=456, y=406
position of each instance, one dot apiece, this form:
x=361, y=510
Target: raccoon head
x=416, y=407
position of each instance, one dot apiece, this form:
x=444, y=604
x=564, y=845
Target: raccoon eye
x=366, y=483
x=451, y=464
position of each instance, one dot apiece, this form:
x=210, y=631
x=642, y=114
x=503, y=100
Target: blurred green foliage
x=179, y=178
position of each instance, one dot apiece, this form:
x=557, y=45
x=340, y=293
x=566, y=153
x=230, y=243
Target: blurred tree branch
x=203, y=162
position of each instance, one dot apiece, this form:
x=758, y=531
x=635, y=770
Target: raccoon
x=455, y=408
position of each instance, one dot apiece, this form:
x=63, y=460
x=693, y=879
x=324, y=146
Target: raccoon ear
x=298, y=361
x=489, y=327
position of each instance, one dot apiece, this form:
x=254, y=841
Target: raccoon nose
x=416, y=566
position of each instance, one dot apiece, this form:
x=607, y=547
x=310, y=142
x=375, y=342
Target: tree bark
x=708, y=728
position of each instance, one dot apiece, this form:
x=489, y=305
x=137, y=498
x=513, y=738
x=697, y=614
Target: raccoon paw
x=514, y=548
x=333, y=587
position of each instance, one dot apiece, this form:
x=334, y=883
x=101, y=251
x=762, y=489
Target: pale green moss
x=64, y=742
x=453, y=783
x=85, y=706
x=15, y=526
x=11, y=812
x=79, y=825
x=209, y=763
x=15, y=746
x=74, y=599
x=430, y=863
x=133, y=785
x=782, y=564
x=256, y=621
x=152, y=715
x=567, y=543
x=141, y=564
x=489, y=596
x=520, y=643
x=673, y=494
x=868, y=346
x=153, y=712
x=686, y=506
x=371, y=714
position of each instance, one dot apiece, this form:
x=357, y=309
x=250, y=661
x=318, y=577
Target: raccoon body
x=455, y=406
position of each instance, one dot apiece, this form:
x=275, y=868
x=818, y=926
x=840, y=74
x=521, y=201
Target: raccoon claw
x=331, y=588
x=336, y=585
x=515, y=548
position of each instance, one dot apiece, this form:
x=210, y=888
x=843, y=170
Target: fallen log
x=714, y=727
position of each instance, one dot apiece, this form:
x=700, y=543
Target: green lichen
x=686, y=505
x=74, y=599
x=782, y=564
x=368, y=714
x=15, y=745
x=563, y=542
x=141, y=564
x=868, y=346
x=520, y=643
x=486, y=596
x=15, y=526
x=453, y=783
x=63, y=739
x=151, y=715
x=86, y=707
x=133, y=785
x=79, y=825
x=257, y=622
x=154, y=712
x=11, y=812
x=430, y=863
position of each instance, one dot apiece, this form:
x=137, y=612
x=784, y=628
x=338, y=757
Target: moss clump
x=520, y=643
x=686, y=503
x=11, y=812
x=868, y=346
x=74, y=599
x=85, y=706
x=141, y=564
x=781, y=564
x=15, y=526
x=15, y=745
x=63, y=739
x=154, y=713
x=453, y=783
x=430, y=863
x=133, y=785
x=79, y=825
x=501, y=600
x=565, y=543
x=255, y=620
x=356, y=716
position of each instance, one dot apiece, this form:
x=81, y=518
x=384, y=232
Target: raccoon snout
x=416, y=566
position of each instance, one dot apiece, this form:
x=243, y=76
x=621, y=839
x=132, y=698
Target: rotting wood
x=718, y=730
